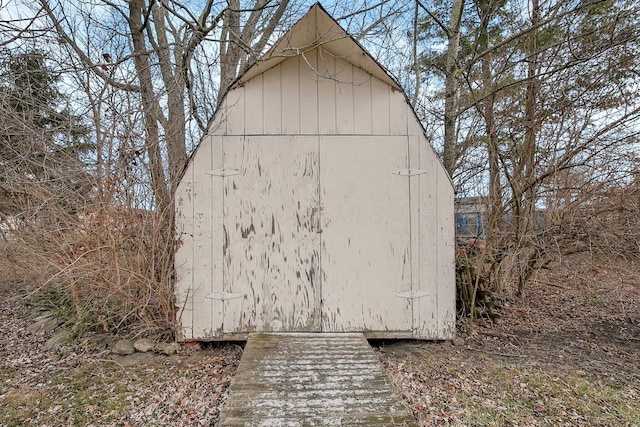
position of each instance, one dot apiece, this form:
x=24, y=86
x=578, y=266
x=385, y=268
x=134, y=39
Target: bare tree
x=547, y=96
x=146, y=76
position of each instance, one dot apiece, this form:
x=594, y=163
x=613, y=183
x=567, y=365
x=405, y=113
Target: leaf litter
x=565, y=355
x=80, y=384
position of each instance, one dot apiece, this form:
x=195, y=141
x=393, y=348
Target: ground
x=567, y=354
x=83, y=384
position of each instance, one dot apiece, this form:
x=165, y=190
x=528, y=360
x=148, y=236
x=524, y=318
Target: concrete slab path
x=312, y=379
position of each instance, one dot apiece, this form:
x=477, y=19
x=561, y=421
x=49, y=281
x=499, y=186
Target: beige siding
x=380, y=108
x=344, y=98
x=428, y=238
x=184, y=255
x=272, y=99
x=271, y=256
x=399, y=113
x=413, y=182
x=365, y=238
x=232, y=114
x=308, y=101
x=317, y=93
x=326, y=93
x=254, y=106
x=315, y=222
x=446, y=261
x=203, y=238
x=217, y=231
x=362, y=102
x=291, y=96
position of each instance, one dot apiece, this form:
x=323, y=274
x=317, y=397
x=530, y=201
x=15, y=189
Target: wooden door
x=366, y=265
x=271, y=248
x=316, y=234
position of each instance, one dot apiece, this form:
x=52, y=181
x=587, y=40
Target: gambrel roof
x=315, y=203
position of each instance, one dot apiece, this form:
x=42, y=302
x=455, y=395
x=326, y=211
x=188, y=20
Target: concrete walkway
x=307, y=379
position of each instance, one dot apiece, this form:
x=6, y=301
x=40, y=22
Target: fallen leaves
x=79, y=386
x=564, y=356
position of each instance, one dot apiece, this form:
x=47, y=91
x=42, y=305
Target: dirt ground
x=567, y=354
x=83, y=384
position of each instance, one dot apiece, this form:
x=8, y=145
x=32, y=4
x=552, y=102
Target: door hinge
x=409, y=172
x=223, y=172
x=223, y=296
x=412, y=294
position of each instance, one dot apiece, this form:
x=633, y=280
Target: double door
x=316, y=234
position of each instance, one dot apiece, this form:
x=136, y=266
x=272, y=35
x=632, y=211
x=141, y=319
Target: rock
x=98, y=341
x=458, y=342
x=135, y=359
x=44, y=324
x=123, y=347
x=143, y=345
x=168, y=349
x=58, y=339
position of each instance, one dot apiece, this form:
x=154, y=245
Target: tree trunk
x=488, y=112
x=494, y=203
x=527, y=192
x=174, y=82
x=416, y=62
x=451, y=89
x=152, y=138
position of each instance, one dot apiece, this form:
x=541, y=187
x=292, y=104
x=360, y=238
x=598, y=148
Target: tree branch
x=71, y=42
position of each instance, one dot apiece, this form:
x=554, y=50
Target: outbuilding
x=315, y=203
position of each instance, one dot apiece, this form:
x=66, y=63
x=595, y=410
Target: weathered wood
x=362, y=102
x=271, y=255
x=365, y=239
x=314, y=380
x=253, y=106
x=232, y=114
x=345, y=123
x=426, y=321
x=446, y=261
x=415, y=198
x=308, y=102
x=380, y=110
x=184, y=255
x=217, y=235
x=326, y=93
x=203, y=323
x=399, y=113
x=291, y=101
x=272, y=93
x=311, y=217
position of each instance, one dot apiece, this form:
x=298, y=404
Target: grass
x=102, y=393
x=467, y=388
x=550, y=397
x=82, y=395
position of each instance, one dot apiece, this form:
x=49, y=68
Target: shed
x=315, y=203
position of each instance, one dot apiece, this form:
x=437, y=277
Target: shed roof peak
x=318, y=29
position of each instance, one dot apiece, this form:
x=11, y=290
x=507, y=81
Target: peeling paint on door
x=272, y=257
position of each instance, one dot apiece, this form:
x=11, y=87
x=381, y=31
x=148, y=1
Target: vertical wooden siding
x=271, y=255
x=365, y=238
x=315, y=93
x=446, y=262
x=184, y=255
x=327, y=99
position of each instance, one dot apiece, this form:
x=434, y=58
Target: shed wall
x=315, y=94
